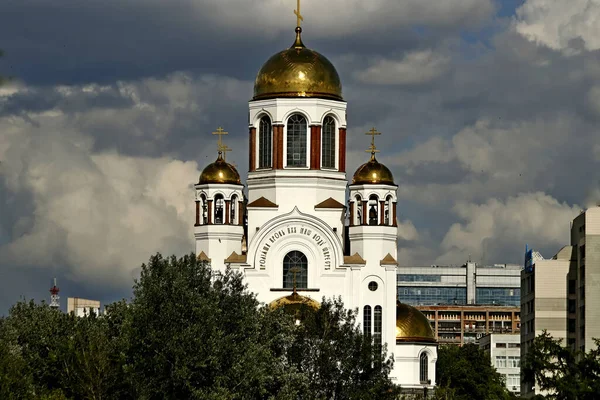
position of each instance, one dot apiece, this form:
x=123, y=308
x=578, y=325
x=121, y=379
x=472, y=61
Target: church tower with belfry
x=302, y=231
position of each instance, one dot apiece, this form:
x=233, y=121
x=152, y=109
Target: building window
x=424, y=368
x=359, y=210
x=387, y=210
x=295, y=267
x=500, y=361
x=373, y=212
x=513, y=381
x=233, y=210
x=500, y=345
x=514, y=362
x=204, y=209
x=219, y=213
x=498, y=296
x=328, y=143
x=367, y=320
x=377, y=326
x=373, y=286
x=572, y=286
x=420, y=295
x=296, y=141
x=514, y=345
x=264, y=143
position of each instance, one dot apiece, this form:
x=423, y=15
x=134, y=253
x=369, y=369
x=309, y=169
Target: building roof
x=355, y=259
x=388, y=260
x=412, y=325
x=236, y=258
x=203, y=257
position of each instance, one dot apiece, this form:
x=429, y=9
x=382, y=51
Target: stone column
x=252, y=150
x=351, y=205
x=210, y=216
x=227, y=209
x=197, y=213
x=381, y=212
x=395, y=215
x=315, y=147
x=342, y=152
x=364, y=213
x=277, y=146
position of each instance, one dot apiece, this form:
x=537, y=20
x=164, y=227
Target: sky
x=488, y=108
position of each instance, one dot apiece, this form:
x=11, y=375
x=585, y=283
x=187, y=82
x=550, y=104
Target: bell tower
x=297, y=128
x=219, y=225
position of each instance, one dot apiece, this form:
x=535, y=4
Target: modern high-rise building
x=562, y=295
x=470, y=284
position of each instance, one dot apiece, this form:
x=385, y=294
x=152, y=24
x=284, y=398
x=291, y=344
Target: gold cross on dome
x=224, y=149
x=220, y=131
x=294, y=271
x=299, y=16
x=372, y=149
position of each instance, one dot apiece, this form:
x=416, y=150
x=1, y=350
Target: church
x=299, y=229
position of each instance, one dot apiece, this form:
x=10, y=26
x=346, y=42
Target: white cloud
x=407, y=231
x=415, y=68
x=97, y=215
x=560, y=24
x=491, y=230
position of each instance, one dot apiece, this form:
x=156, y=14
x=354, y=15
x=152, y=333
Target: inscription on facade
x=282, y=232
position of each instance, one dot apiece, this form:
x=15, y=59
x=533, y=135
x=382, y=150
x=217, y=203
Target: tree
x=466, y=373
x=564, y=373
x=339, y=362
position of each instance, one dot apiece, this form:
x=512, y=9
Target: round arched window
x=373, y=286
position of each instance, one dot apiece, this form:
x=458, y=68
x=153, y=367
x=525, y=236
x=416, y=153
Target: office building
x=470, y=283
x=82, y=307
x=462, y=324
x=505, y=355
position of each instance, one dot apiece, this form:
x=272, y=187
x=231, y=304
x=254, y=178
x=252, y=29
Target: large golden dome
x=294, y=302
x=412, y=325
x=298, y=72
x=373, y=172
x=220, y=172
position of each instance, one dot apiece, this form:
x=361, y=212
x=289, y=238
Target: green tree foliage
x=188, y=333
x=465, y=373
x=564, y=373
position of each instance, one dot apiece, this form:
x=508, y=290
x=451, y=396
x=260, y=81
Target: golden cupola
x=220, y=172
x=412, y=325
x=373, y=172
x=298, y=72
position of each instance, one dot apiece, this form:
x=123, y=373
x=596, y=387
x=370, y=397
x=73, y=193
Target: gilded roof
x=355, y=259
x=298, y=72
x=373, y=172
x=388, y=260
x=330, y=203
x=294, y=302
x=262, y=202
x=236, y=258
x=220, y=172
x=412, y=325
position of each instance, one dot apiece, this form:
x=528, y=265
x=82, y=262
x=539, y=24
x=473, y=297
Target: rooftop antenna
x=54, y=297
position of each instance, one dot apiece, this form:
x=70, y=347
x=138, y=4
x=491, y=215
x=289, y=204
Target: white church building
x=300, y=211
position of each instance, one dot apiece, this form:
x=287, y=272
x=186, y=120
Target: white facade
x=505, y=356
x=295, y=217
x=82, y=307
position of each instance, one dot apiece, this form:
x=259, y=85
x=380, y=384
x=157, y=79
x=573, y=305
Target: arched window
x=328, y=143
x=387, y=210
x=296, y=141
x=377, y=326
x=295, y=264
x=264, y=143
x=367, y=320
x=204, y=210
x=219, y=212
x=233, y=210
x=373, y=212
x=424, y=368
x=359, y=210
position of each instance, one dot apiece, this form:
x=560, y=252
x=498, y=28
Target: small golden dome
x=298, y=72
x=294, y=302
x=220, y=172
x=373, y=172
x=412, y=325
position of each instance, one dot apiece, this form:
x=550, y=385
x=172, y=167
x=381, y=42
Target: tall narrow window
x=387, y=209
x=204, y=209
x=359, y=210
x=328, y=143
x=296, y=141
x=219, y=213
x=367, y=320
x=424, y=368
x=377, y=326
x=264, y=143
x=233, y=210
x=295, y=268
x=373, y=211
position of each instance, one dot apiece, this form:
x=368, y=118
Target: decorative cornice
x=203, y=257
x=355, y=259
x=262, y=202
x=330, y=203
x=388, y=260
x=236, y=258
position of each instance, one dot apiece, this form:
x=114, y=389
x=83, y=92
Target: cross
x=294, y=271
x=224, y=149
x=220, y=144
x=298, y=15
x=372, y=149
